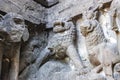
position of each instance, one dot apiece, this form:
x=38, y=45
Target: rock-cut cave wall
x=59, y=40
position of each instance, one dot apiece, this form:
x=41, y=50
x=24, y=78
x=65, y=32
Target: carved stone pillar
x=12, y=30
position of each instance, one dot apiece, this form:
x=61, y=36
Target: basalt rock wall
x=64, y=39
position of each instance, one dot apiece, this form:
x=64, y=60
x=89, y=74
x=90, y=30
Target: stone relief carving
x=60, y=47
x=101, y=52
x=99, y=26
x=12, y=32
x=65, y=35
x=62, y=44
x=115, y=20
x=106, y=23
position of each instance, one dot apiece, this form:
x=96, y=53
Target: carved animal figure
x=102, y=53
x=63, y=38
x=12, y=30
x=62, y=44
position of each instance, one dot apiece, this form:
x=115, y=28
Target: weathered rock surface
x=46, y=52
x=12, y=33
x=55, y=70
x=29, y=9
x=38, y=14
x=47, y=3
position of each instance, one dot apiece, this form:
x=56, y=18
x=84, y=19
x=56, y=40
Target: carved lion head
x=60, y=26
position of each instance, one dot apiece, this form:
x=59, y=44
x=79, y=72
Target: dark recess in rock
x=2, y=13
x=47, y=3
x=105, y=5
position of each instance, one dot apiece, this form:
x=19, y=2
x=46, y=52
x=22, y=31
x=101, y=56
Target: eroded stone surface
x=45, y=56
x=12, y=30
x=47, y=3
